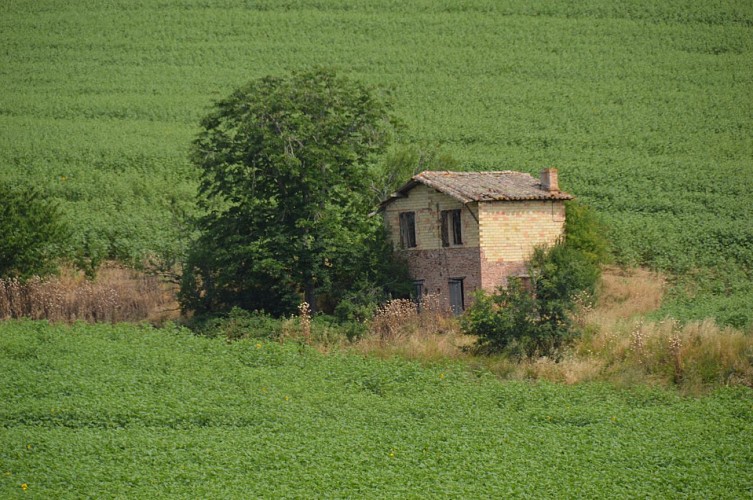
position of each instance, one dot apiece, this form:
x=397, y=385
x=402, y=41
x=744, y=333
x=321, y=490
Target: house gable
x=428, y=204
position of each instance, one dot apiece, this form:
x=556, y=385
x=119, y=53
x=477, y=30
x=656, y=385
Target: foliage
x=130, y=411
x=237, y=324
x=586, y=232
x=33, y=235
x=99, y=103
x=285, y=167
x=537, y=320
x=719, y=292
x=402, y=162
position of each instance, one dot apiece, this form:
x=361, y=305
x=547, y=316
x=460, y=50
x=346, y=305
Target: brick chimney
x=549, y=180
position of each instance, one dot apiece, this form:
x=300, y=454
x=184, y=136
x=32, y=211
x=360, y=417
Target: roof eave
x=403, y=190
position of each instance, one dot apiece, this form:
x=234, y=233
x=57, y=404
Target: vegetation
x=644, y=107
x=122, y=410
x=116, y=294
x=34, y=236
x=617, y=343
x=537, y=320
x=286, y=164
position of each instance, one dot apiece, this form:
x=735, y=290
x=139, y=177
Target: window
x=451, y=229
x=407, y=229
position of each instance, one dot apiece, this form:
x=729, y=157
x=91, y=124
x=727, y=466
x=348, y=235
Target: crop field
x=646, y=108
x=131, y=411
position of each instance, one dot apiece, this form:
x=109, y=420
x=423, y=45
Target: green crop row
x=124, y=410
x=646, y=108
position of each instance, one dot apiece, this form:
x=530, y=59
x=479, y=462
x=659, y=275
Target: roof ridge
x=489, y=185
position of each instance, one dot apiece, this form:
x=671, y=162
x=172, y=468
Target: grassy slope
x=127, y=410
x=647, y=109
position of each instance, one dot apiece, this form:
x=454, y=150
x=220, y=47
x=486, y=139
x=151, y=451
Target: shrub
x=538, y=320
x=32, y=233
x=515, y=320
x=237, y=324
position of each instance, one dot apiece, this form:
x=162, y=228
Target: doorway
x=457, y=300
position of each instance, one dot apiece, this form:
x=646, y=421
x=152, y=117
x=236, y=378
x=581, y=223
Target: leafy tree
x=286, y=164
x=538, y=320
x=32, y=233
x=402, y=162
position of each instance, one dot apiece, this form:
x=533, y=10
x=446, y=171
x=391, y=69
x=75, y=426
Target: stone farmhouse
x=463, y=231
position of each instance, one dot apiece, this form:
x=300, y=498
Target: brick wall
x=495, y=273
x=494, y=248
x=428, y=203
x=510, y=230
x=436, y=267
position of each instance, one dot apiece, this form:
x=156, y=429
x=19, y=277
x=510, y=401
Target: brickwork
x=495, y=273
x=428, y=204
x=436, y=267
x=498, y=239
x=509, y=231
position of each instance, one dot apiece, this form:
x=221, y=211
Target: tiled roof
x=482, y=186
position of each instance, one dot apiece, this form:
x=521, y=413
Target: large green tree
x=286, y=165
x=32, y=233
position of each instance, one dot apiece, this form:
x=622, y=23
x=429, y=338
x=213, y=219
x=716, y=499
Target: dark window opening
x=451, y=228
x=407, y=229
x=418, y=293
x=457, y=298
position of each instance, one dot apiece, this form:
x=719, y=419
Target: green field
x=131, y=411
x=646, y=108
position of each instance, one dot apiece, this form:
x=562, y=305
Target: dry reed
x=424, y=331
x=118, y=294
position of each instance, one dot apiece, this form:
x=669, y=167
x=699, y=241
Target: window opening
x=451, y=228
x=407, y=229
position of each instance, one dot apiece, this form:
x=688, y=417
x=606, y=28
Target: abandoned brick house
x=463, y=231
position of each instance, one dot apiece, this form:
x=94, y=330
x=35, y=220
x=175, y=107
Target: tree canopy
x=286, y=164
x=33, y=235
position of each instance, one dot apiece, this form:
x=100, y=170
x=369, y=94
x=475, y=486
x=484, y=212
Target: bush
x=537, y=320
x=237, y=324
x=32, y=233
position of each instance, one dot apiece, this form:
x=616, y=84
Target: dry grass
x=118, y=294
x=694, y=355
x=618, y=345
x=428, y=333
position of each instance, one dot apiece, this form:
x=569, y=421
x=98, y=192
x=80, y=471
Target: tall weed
x=118, y=294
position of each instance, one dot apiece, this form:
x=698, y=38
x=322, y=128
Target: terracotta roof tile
x=504, y=185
